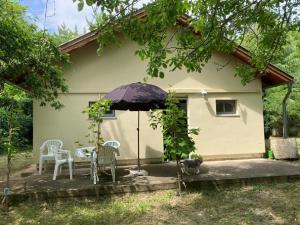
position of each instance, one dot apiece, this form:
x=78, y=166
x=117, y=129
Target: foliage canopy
x=290, y=62
x=22, y=118
x=29, y=57
x=219, y=25
x=64, y=34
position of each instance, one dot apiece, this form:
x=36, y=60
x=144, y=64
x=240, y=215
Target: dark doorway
x=183, y=105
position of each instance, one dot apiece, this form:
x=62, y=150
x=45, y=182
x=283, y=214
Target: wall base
x=233, y=156
x=126, y=162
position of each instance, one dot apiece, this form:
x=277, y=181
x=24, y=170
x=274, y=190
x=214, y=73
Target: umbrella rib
x=126, y=88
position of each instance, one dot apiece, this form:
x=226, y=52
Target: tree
x=205, y=27
x=65, y=34
x=29, y=57
x=273, y=97
x=10, y=102
x=97, y=22
x=177, y=137
x=96, y=111
x=23, y=135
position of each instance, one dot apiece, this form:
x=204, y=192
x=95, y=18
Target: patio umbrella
x=137, y=97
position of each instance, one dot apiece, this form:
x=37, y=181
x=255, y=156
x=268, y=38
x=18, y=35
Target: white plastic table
x=85, y=152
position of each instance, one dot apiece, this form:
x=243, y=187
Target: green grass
x=260, y=204
x=20, y=161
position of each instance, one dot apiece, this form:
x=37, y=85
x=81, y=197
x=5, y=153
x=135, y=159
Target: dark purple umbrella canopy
x=137, y=97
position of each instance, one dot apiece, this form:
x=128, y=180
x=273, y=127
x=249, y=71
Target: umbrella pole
x=138, y=130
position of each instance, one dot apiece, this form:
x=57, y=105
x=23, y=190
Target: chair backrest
x=106, y=155
x=52, y=146
x=112, y=143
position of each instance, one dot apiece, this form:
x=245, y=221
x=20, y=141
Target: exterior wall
x=91, y=76
x=70, y=125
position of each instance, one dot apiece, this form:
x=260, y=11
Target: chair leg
x=45, y=166
x=55, y=171
x=60, y=169
x=41, y=166
x=91, y=171
x=71, y=170
x=74, y=169
x=113, y=172
x=95, y=173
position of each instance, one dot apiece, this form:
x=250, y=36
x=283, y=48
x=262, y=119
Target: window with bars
x=226, y=107
x=109, y=114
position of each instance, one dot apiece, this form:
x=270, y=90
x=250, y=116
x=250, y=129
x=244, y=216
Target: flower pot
x=270, y=154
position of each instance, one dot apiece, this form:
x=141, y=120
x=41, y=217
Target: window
x=226, y=107
x=109, y=114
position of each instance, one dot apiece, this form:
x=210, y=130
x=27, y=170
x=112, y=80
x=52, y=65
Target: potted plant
x=192, y=164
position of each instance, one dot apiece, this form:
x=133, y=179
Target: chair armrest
x=117, y=151
x=42, y=148
x=67, y=152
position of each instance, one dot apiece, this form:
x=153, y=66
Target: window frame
x=107, y=115
x=234, y=113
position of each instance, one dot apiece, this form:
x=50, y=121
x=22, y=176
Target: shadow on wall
x=115, y=133
x=210, y=108
x=152, y=153
x=244, y=115
x=242, y=110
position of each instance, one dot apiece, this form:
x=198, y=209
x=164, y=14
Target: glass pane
x=110, y=113
x=182, y=103
x=225, y=107
x=220, y=107
x=229, y=108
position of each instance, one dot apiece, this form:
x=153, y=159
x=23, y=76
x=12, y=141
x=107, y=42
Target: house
x=229, y=115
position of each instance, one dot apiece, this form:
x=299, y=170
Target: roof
x=273, y=76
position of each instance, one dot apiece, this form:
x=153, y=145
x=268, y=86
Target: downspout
x=284, y=110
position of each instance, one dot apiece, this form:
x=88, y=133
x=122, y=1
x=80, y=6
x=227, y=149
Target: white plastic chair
x=50, y=146
x=116, y=145
x=112, y=143
x=62, y=157
x=106, y=158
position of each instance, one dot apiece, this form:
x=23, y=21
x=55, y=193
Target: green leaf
x=161, y=75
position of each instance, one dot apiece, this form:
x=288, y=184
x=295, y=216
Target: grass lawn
x=261, y=204
x=20, y=161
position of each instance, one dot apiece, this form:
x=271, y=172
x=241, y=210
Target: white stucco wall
x=91, y=76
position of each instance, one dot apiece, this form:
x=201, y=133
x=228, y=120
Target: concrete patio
x=214, y=174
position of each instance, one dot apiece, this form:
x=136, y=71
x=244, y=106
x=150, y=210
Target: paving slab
x=161, y=177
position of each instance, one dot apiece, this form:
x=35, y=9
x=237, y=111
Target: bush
x=23, y=136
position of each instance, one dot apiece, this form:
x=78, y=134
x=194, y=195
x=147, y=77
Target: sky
x=58, y=12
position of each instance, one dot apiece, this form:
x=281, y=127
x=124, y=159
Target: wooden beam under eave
x=79, y=42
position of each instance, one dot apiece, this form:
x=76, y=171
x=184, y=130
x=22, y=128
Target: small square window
x=109, y=114
x=226, y=107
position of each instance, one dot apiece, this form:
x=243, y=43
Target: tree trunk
x=98, y=145
x=284, y=111
x=9, y=155
x=179, y=177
